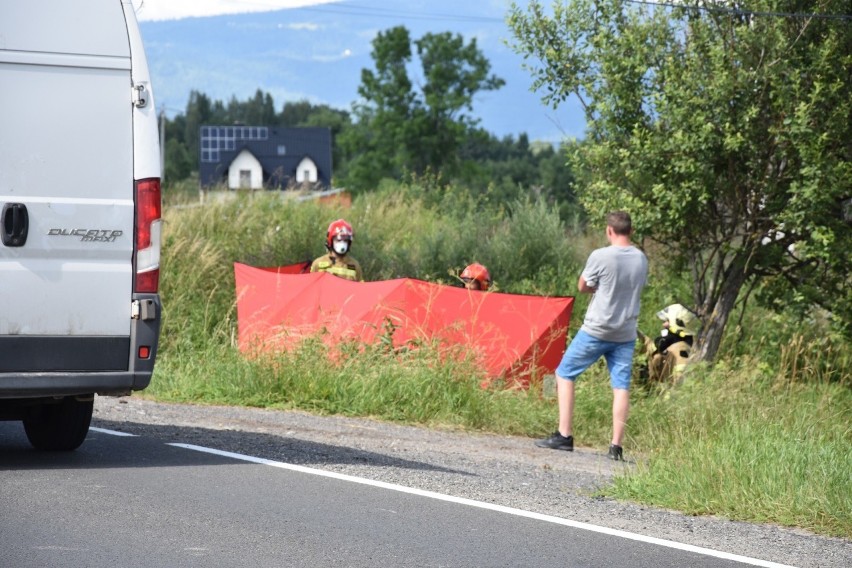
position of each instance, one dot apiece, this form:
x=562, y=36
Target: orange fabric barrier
x=512, y=336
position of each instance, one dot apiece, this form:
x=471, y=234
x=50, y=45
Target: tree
x=295, y=113
x=259, y=109
x=726, y=132
x=401, y=129
x=199, y=110
x=179, y=164
x=453, y=73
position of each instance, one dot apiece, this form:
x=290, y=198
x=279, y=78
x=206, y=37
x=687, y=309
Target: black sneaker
x=557, y=442
x=615, y=453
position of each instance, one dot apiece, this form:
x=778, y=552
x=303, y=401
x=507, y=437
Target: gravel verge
x=503, y=470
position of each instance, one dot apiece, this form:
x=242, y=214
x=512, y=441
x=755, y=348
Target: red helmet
x=477, y=272
x=339, y=228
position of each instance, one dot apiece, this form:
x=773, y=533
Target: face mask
x=340, y=247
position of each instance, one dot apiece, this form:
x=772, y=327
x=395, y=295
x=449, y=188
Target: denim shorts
x=584, y=350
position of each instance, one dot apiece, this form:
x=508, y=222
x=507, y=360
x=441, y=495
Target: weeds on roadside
x=816, y=360
x=739, y=443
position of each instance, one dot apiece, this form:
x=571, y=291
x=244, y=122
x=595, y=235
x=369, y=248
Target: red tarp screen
x=512, y=336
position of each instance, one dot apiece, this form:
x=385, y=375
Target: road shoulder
x=503, y=470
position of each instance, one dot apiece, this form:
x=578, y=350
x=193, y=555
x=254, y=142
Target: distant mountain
x=317, y=53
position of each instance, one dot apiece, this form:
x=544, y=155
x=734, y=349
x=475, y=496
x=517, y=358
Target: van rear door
x=66, y=172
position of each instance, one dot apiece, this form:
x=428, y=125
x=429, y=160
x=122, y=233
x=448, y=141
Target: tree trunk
x=711, y=338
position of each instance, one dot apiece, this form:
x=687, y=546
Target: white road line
x=111, y=432
x=490, y=507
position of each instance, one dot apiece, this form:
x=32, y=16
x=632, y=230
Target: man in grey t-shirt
x=615, y=275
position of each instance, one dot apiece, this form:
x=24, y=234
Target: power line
x=376, y=12
x=353, y=9
x=744, y=12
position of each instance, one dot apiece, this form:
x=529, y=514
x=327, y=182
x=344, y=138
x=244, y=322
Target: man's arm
x=584, y=287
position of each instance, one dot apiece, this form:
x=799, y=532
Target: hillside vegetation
x=763, y=435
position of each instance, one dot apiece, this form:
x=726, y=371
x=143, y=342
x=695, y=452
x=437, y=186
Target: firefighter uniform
x=668, y=354
x=666, y=362
x=344, y=267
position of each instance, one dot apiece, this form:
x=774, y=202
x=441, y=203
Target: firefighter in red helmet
x=338, y=261
x=476, y=277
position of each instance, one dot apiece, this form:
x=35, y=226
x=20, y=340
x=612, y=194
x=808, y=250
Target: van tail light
x=148, y=225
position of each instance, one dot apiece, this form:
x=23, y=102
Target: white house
x=245, y=172
x=265, y=157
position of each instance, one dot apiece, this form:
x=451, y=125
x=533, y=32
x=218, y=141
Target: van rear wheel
x=60, y=426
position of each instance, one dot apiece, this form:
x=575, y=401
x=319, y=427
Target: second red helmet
x=477, y=272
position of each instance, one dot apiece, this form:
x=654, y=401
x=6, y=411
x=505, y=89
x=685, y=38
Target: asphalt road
x=143, y=501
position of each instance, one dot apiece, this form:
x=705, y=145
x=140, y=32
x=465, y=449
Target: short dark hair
x=620, y=222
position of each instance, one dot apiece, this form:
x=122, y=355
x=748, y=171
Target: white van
x=79, y=214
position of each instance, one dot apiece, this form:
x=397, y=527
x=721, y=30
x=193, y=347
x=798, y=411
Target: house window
x=245, y=179
x=282, y=150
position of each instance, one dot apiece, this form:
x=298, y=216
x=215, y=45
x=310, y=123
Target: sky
x=315, y=49
x=154, y=10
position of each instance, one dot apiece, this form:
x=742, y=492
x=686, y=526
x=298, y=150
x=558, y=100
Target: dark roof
x=219, y=145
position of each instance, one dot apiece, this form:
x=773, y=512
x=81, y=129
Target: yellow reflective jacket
x=667, y=365
x=344, y=267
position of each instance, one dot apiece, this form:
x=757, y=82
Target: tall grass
x=415, y=387
x=762, y=436
x=746, y=446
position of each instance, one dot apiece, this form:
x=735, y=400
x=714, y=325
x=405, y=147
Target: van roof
x=93, y=27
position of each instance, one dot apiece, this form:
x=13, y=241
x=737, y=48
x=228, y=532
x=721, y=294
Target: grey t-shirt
x=619, y=274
